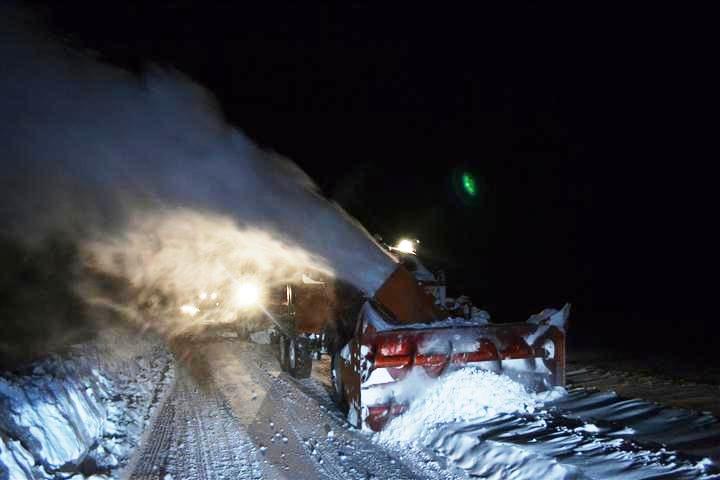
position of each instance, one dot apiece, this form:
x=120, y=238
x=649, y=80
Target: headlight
x=405, y=246
x=189, y=309
x=246, y=294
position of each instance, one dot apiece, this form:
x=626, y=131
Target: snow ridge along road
x=81, y=414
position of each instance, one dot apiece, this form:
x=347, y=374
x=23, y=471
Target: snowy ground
x=235, y=415
x=231, y=414
x=81, y=415
x=683, y=383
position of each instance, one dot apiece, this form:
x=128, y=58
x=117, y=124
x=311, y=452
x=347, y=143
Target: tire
x=338, y=390
x=283, y=352
x=299, y=358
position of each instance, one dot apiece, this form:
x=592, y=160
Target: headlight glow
x=405, y=246
x=188, y=309
x=246, y=294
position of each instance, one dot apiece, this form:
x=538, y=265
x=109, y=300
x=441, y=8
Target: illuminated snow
x=465, y=394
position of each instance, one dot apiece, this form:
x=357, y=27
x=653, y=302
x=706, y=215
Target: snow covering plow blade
x=403, y=343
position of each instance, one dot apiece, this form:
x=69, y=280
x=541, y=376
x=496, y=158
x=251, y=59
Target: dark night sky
x=574, y=118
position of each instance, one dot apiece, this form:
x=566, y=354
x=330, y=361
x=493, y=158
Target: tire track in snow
x=158, y=443
x=293, y=406
x=197, y=437
x=158, y=421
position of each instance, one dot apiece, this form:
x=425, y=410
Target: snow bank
x=487, y=426
x=466, y=394
x=82, y=412
x=15, y=461
x=434, y=424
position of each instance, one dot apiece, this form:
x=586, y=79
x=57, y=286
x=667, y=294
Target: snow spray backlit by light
x=145, y=179
x=215, y=270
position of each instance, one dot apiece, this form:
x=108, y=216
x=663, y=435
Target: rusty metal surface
x=312, y=307
x=405, y=300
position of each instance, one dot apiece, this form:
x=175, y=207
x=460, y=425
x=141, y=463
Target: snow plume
x=118, y=183
x=205, y=256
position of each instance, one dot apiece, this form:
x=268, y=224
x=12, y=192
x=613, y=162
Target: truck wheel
x=282, y=352
x=338, y=390
x=299, y=358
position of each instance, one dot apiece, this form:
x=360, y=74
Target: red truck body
x=402, y=342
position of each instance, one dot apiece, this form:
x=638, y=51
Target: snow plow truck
x=383, y=348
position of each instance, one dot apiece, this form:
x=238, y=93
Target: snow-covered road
x=232, y=414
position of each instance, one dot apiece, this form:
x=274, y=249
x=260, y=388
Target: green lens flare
x=469, y=184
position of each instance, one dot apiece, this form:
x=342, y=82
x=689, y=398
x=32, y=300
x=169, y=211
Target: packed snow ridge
x=463, y=395
x=78, y=415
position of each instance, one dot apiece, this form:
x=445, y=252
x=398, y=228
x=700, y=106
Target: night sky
x=574, y=120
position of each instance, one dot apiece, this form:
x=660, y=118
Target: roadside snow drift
x=488, y=426
x=79, y=413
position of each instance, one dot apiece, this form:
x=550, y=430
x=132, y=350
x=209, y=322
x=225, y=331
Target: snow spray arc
x=140, y=180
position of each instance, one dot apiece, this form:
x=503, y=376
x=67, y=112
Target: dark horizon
x=573, y=121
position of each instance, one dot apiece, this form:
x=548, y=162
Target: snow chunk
x=551, y=316
x=345, y=353
x=378, y=376
x=588, y=428
x=15, y=461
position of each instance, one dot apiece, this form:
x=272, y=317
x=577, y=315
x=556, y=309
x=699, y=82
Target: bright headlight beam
x=405, y=246
x=188, y=309
x=246, y=294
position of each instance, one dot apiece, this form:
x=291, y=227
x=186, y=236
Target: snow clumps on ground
x=463, y=395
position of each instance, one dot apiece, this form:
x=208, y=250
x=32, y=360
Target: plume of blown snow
x=144, y=183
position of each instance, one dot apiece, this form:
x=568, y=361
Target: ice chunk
x=551, y=316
